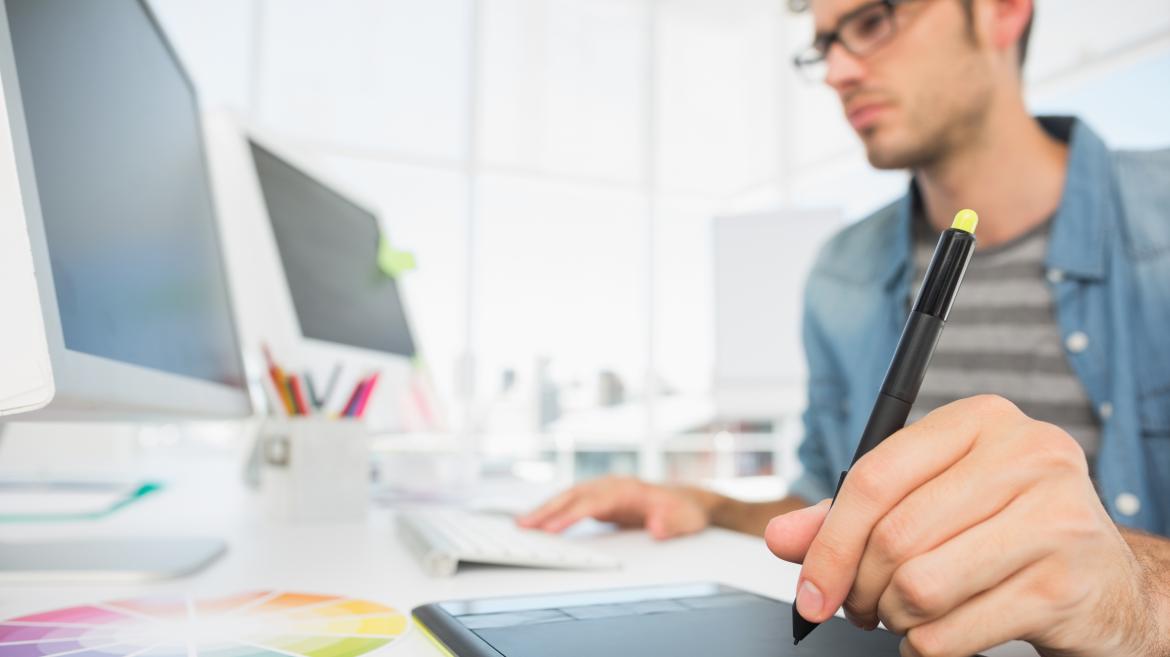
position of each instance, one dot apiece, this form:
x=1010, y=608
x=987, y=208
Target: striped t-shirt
x=1002, y=338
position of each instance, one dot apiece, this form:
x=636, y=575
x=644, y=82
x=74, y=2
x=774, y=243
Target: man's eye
x=870, y=24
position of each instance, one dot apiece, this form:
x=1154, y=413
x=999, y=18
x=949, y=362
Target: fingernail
x=809, y=600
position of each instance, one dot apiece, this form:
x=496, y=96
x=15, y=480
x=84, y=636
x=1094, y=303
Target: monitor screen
x=329, y=248
x=114, y=133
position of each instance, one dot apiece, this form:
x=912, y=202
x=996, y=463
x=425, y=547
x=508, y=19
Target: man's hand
x=666, y=512
x=975, y=526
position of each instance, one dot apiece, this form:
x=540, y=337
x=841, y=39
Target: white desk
x=367, y=561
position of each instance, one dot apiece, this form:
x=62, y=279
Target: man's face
x=922, y=93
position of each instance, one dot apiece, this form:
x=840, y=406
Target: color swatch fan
x=257, y=624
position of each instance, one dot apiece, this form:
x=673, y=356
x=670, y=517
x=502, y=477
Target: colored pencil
x=298, y=395
x=365, y=398
x=353, y=397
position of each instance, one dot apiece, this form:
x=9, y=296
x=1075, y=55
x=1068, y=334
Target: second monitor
x=328, y=247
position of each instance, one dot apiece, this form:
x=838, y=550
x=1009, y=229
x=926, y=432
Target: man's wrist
x=746, y=517
x=720, y=510
x=1152, y=554
x=730, y=513
x=712, y=503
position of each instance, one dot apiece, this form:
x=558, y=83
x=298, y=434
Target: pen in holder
x=315, y=469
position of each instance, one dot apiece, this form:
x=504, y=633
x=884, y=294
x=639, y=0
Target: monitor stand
x=106, y=560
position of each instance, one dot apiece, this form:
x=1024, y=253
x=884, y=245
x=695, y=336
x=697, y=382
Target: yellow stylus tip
x=966, y=220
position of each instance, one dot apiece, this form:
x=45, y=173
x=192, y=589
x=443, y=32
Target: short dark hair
x=1026, y=37
x=797, y=6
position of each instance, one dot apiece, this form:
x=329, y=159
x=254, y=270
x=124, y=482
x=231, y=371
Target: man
x=983, y=520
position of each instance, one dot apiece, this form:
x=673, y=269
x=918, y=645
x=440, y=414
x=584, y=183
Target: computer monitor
x=301, y=247
x=107, y=142
x=328, y=247
x=103, y=147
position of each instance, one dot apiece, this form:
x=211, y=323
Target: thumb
x=789, y=536
x=668, y=521
x=659, y=525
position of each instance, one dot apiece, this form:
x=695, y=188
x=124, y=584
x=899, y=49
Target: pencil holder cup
x=315, y=469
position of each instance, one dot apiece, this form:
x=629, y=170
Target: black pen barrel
x=911, y=358
x=888, y=417
x=903, y=380
x=923, y=328
x=945, y=272
x=907, y=369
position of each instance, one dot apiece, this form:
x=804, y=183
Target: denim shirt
x=1108, y=263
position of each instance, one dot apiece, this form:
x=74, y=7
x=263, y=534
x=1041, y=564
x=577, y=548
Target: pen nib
x=800, y=627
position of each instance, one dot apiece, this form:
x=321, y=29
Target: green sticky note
x=393, y=262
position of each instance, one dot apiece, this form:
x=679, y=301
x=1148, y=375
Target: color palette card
x=255, y=624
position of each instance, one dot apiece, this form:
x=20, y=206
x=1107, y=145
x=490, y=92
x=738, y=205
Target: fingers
x=1009, y=611
x=615, y=499
x=666, y=512
x=581, y=508
x=985, y=556
x=537, y=518
x=663, y=525
x=927, y=518
x=879, y=481
x=660, y=526
x=788, y=536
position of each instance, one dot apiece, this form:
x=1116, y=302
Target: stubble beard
x=936, y=124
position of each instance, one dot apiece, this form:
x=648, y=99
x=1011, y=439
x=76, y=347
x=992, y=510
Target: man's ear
x=1009, y=20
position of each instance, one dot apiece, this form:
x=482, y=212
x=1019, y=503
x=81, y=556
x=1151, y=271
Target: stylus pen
x=907, y=369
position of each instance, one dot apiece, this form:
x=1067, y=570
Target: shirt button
x=1127, y=504
x=1077, y=342
x=1105, y=410
x=1055, y=275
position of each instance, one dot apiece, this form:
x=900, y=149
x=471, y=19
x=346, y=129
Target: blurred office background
x=575, y=177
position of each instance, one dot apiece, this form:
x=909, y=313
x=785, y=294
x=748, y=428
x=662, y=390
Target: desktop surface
x=366, y=560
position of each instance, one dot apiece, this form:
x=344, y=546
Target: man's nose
x=843, y=68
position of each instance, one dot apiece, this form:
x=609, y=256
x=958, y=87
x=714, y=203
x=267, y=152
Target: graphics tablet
x=688, y=620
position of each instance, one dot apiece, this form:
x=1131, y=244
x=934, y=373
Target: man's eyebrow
x=825, y=30
x=822, y=32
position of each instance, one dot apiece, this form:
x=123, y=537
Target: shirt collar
x=898, y=269
x=1078, y=243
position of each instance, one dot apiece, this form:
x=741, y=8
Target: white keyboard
x=441, y=538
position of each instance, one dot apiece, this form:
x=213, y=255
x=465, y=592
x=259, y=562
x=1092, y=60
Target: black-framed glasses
x=861, y=32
